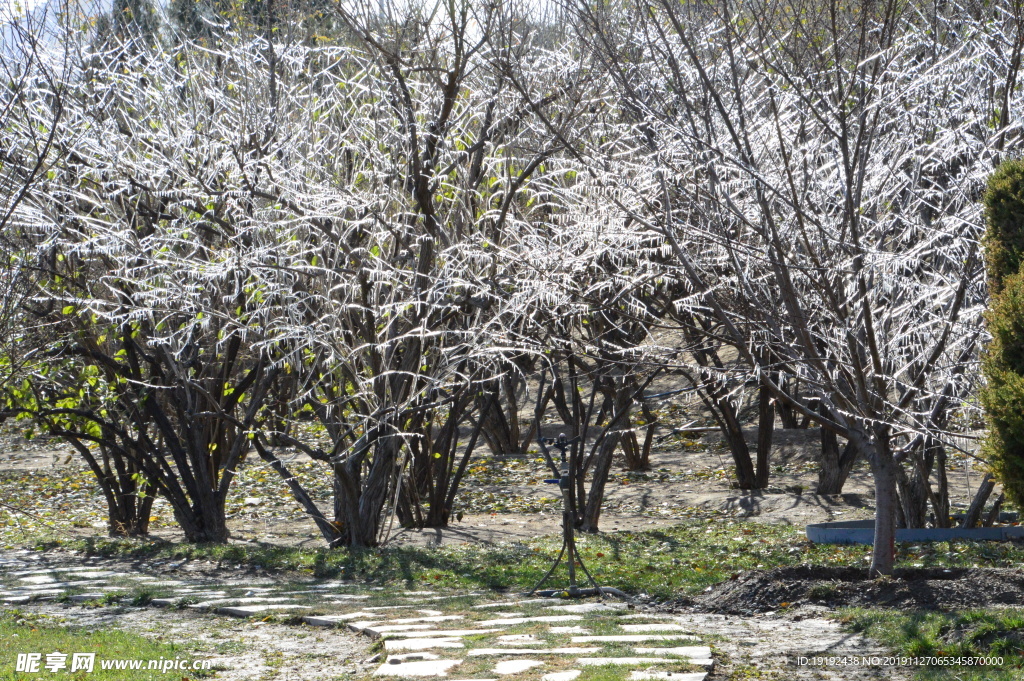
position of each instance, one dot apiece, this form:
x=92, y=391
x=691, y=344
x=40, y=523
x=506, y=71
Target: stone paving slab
x=515, y=666
x=435, y=633
x=482, y=652
x=633, y=638
x=250, y=610
x=206, y=605
x=333, y=620
x=378, y=630
x=666, y=676
x=165, y=602
x=181, y=598
x=91, y=573
x=40, y=592
x=409, y=657
x=693, y=652
x=588, y=607
x=345, y=597
x=518, y=604
x=430, y=618
x=38, y=579
x=658, y=626
x=419, y=668
x=422, y=643
x=60, y=586
x=529, y=620
x=600, y=661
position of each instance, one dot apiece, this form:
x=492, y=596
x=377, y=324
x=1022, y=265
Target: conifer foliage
x=1003, y=361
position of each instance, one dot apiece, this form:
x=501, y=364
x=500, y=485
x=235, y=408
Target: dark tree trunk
x=993, y=514
x=652, y=427
x=914, y=496
x=130, y=518
x=620, y=408
x=408, y=509
x=788, y=415
x=501, y=436
x=765, y=430
x=203, y=528
x=374, y=495
x=940, y=503
x=835, y=466
x=595, y=496
x=733, y=434
x=129, y=499
x=973, y=515
x=883, y=550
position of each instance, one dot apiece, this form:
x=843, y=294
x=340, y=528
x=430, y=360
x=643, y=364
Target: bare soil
x=690, y=477
x=760, y=591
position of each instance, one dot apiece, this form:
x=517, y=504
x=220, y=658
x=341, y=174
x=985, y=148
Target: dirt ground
x=689, y=478
x=762, y=591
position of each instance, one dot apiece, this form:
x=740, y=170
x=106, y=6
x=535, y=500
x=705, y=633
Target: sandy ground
x=695, y=482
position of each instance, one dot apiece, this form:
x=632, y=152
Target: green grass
x=32, y=633
x=664, y=563
x=969, y=633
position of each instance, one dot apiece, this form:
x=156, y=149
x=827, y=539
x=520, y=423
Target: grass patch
x=969, y=633
x=686, y=558
x=29, y=633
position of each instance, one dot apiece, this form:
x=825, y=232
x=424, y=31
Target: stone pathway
x=466, y=636
x=422, y=633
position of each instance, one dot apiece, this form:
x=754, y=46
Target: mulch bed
x=759, y=591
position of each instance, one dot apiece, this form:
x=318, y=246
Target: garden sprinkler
x=565, y=478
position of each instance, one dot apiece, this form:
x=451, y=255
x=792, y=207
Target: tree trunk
x=203, y=528
x=652, y=427
x=914, y=494
x=631, y=452
x=883, y=551
x=835, y=467
x=993, y=514
x=765, y=430
x=733, y=433
x=374, y=493
x=131, y=518
x=408, y=508
x=973, y=515
x=940, y=503
x=788, y=415
x=603, y=463
x=497, y=431
x=595, y=496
